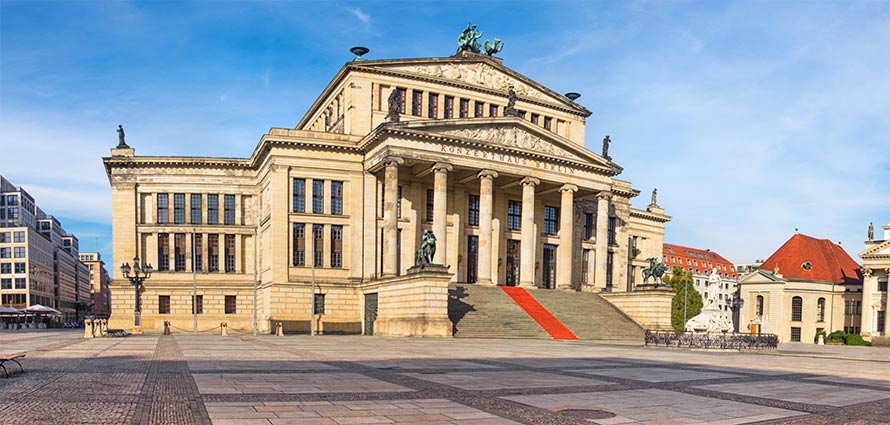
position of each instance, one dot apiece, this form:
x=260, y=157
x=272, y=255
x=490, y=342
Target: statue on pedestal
x=469, y=39
x=656, y=270
x=711, y=319
x=395, y=101
x=871, y=231
x=427, y=250
x=121, y=144
x=510, y=109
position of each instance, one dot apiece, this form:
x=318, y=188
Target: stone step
x=589, y=316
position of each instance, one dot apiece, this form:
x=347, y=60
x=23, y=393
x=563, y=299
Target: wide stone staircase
x=488, y=312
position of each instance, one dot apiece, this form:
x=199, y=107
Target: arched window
x=820, y=310
x=796, y=309
x=759, y=306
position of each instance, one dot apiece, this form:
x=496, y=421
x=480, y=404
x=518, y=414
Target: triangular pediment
x=512, y=133
x=761, y=276
x=474, y=70
x=880, y=250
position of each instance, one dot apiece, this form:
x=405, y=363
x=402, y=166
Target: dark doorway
x=370, y=312
x=549, y=275
x=472, y=259
x=512, y=262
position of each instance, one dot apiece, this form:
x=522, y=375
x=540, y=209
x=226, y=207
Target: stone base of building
x=413, y=305
x=649, y=307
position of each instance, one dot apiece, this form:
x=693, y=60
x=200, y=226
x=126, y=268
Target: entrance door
x=549, y=275
x=472, y=259
x=512, y=262
x=370, y=312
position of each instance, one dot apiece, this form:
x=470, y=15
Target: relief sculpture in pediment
x=511, y=137
x=477, y=74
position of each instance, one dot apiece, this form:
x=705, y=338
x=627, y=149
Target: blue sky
x=751, y=118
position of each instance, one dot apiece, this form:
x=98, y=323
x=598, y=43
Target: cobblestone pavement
x=337, y=380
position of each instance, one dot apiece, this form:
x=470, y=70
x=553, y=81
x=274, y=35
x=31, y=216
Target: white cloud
x=360, y=15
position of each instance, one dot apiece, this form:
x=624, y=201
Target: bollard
x=821, y=339
x=166, y=327
x=279, y=330
x=89, y=331
x=224, y=329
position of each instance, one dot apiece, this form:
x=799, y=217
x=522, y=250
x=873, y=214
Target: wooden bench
x=11, y=358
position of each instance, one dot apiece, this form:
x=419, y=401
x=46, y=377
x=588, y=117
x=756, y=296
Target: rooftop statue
x=469, y=39
x=120, y=137
x=871, y=231
x=510, y=109
x=654, y=196
x=491, y=49
x=395, y=100
x=606, y=142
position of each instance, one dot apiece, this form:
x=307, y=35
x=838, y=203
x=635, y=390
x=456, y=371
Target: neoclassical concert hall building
x=493, y=163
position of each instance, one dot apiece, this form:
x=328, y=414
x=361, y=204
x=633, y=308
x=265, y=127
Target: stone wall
x=413, y=305
x=650, y=308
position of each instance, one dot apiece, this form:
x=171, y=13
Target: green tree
x=681, y=282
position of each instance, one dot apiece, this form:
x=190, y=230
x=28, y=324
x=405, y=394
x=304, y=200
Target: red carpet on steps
x=534, y=309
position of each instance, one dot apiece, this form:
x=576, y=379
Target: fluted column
x=390, y=225
x=440, y=216
x=602, y=238
x=564, y=262
x=529, y=236
x=869, y=287
x=486, y=204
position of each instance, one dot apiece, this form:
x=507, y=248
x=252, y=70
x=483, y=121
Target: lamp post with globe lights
x=140, y=272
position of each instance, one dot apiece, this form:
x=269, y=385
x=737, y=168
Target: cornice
x=661, y=218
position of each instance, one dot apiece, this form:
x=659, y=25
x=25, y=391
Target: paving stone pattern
x=336, y=380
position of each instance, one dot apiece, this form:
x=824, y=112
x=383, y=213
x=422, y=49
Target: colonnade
x=487, y=274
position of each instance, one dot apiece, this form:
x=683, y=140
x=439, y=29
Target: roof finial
x=122, y=144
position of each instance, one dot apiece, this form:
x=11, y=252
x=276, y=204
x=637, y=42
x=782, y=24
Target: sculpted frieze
x=510, y=137
x=478, y=74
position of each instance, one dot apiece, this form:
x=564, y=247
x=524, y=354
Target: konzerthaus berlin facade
x=513, y=198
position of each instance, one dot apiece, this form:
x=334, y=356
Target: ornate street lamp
x=736, y=304
x=140, y=273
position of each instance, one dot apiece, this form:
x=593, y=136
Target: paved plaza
x=186, y=379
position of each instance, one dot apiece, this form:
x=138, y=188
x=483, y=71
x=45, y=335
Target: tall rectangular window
x=198, y=261
x=474, y=210
x=514, y=214
x=430, y=202
x=399, y=202
x=299, y=241
x=336, y=197
x=548, y=123
x=213, y=253
x=4, y=236
x=231, y=304
x=416, y=102
x=163, y=304
x=589, y=225
x=318, y=244
x=403, y=95
x=551, y=220
x=449, y=107
x=479, y=109
x=299, y=195
x=882, y=320
x=610, y=260
x=317, y=196
x=492, y=110
x=179, y=208
x=213, y=209
x=433, y=105
x=464, y=108
x=179, y=252
x=613, y=230
x=535, y=118
x=163, y=252
x=796, y=309
x=197, y=304
x=336, y=246
x=795, y=334
x=230, y=253
x=163, y=208
x=196, y=208
x=229, y=209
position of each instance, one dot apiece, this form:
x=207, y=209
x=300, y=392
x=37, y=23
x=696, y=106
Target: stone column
x=869, y=287
x=390, y=223
x=564, y=264
x=602, y=238
x=486, y=204
x=440, y=210
x=529, y=238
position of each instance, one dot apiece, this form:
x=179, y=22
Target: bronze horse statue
x=656, y=270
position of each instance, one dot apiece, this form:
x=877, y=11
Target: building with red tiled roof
x=700, y=262
x=807, y=286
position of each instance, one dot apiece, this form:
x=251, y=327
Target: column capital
x=530, y=181
x=866, y=272
x=605, y=194
x=392, y=161
x=568, y=187
x=442, y=167
x=487, y=174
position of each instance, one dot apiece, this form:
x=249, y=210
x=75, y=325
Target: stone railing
x=720, y=341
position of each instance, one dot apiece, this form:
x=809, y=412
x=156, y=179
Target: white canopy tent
x=42, y=309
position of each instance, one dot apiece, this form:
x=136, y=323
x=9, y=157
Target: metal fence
x=724, y=341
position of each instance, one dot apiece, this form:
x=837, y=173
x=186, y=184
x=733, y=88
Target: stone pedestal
x=413, y=305
x=649, y=306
